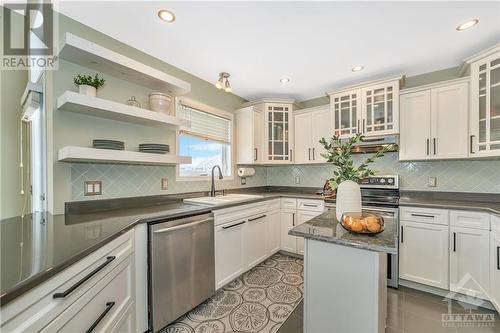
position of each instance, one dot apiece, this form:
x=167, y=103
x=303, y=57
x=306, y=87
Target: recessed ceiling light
x=357, y=68
x=467, y=25
x=166, y=15
x=285, y=80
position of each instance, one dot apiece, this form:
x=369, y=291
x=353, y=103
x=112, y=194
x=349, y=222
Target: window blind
x=205, y=125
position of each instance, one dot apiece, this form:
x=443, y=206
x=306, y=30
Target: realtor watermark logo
x=468, y=316
x=29, y=36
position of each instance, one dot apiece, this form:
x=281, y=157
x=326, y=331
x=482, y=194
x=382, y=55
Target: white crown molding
x=272, y=101
x=366, y=84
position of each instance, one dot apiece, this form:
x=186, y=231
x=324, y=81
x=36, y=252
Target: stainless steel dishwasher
x=181, y=267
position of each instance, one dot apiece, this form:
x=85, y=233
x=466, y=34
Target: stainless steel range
x=380, y=195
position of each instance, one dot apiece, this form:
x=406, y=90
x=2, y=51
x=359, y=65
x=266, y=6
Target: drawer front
x=288, y=203
x=495, y=223
x=311, y=205
x=102, y=306
x=274, y=205
x=239, y=212
x=426, y=215
x=35, y=309
x=467, y=219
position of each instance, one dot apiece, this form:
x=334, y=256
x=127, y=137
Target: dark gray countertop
x=487, y=202
x=35, y=248
x=327, y=228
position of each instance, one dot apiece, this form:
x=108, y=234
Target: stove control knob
x=390, y=180
x=382, y=181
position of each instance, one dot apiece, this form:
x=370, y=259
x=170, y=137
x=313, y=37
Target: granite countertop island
x=327, y=228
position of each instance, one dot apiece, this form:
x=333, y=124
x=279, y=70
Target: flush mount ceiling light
x=166, y=15
x=357, y=68
x=223, y=82
x=467, y=25
x=285, y=80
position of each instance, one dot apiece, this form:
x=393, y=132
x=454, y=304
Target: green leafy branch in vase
x=339, y=153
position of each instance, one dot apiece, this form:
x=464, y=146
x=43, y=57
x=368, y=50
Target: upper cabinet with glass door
x=484, y=118
x=370, y=108
x=279, y=133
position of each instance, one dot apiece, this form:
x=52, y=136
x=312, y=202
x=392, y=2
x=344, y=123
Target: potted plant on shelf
x=346, y=176
x=88, y=85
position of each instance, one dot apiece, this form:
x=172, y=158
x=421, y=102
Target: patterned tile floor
x=413, y=311
x=259, y=301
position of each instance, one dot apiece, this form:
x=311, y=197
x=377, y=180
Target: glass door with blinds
x=380, y=109
x=278, y=136
x=485, y=113
x=346, y=113
x=207, y=141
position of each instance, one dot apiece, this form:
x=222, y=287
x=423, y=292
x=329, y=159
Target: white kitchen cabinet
x=288, y=220
x=229, y=251
x=495, y=263
x=310, y=126
x=423, y=253
x=371, y=108
x=469, y=261
x=249, y=135
x=273, y=232
x=255, y=240
x=279, y=133
x=302, y=217
x=485, y=103
x=434, y=121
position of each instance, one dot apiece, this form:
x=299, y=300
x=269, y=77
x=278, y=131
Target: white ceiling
x=315, y=44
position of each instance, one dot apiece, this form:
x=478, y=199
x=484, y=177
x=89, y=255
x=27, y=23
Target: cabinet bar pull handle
x=309, y=205
x=314, y=158
x=84, y=279
x=309, y=153
x=427, y=149
x=471, y=148
x=234, y=225
x=364, y=126
x=454, y=242
x=255, y=157
x=291, y=155
x=109, y=305
x=293, y=219
x=402, y=237
x=434, y=145
x=257, y=218
x=498, y=258
x=422, y=215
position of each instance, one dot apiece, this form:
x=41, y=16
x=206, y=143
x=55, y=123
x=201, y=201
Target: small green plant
x=339, y=154
x=88, y=80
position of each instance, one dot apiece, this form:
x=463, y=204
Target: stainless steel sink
x=223, y=199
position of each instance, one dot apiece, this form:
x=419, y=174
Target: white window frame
x=216, y=112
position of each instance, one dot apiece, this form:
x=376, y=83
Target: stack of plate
x=108, y=144
x=155, y=148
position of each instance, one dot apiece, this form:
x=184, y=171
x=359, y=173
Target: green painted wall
x=410, y=82
x=12, y=85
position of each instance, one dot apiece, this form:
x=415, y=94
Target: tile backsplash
x=136, y=180
x=455, y=176
x=120, y=180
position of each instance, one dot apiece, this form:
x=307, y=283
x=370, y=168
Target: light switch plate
x=92, y=187
x=432, y=182
x=243, y=181
x=164, y=184
x=297, y=180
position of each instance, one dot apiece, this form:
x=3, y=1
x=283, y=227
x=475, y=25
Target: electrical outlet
x=164, y=184
x=92, y=187
x=243, y=180
x=432, y=182
x=297, y=180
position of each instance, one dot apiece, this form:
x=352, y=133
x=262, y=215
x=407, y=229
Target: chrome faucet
x=212, y=190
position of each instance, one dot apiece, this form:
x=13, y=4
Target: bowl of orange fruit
x=362, y=223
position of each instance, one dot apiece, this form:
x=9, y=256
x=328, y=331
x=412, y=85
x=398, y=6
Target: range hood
x=373, y=144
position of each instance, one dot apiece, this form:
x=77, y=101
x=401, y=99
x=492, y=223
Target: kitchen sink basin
x=223, y=199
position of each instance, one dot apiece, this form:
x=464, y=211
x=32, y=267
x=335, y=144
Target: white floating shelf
x=98, y=107
x=93, y=155
x=88, y=54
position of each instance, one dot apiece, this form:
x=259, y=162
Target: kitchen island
x=345, y=275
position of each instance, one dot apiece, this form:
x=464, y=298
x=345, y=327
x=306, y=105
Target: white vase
x=348, y=198
x=87, y=90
